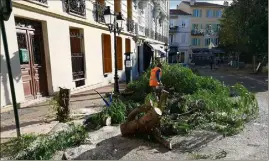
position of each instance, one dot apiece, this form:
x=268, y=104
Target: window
x=207, y=41
x=77, y=54
x=219, y=13
x=119, y=53
x=218, y=28
x=196, y=42
x=117, y=6
x=107, y=58
x=183, y=38
x=197, y=13
x=171, y=38
x=216, y=41
x=183, y=24
x=209, y=13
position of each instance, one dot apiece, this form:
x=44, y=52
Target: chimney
x=192, y=2
x=226, y=3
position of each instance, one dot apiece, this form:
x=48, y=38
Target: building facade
x=205, y=22
x=65, y=43
x=180, y=34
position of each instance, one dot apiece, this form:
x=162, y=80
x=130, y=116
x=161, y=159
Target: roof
x=204, y=4
x=178, y=12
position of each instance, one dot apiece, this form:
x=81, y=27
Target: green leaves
x=244, y=27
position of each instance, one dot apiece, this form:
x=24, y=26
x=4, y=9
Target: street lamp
x=166, y=50
x=5, y=12
x=114, y=23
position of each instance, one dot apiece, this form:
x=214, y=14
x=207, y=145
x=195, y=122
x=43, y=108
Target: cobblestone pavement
x=37, y=115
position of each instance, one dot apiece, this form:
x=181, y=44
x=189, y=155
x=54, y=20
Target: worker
x=155, y=80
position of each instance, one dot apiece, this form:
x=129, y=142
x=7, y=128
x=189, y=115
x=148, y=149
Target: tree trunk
x=63, y=101
x=149, y=123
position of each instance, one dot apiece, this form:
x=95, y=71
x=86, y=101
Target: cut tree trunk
x=149, y=123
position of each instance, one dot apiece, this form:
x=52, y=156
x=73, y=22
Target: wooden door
x=33, y=72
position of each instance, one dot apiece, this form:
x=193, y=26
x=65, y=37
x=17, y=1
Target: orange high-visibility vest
x=153, y=82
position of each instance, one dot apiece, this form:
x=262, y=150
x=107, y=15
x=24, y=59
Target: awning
x=160, y=50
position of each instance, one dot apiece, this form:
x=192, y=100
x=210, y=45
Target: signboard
x=24, y=56
x=128, y=63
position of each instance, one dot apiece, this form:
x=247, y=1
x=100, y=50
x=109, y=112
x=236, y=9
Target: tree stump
x=63, y=112
x=149, y=123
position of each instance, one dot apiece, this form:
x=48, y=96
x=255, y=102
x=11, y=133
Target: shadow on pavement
x=117, y=147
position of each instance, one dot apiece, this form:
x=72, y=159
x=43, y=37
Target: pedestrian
x=155, y=80
x=211, y=61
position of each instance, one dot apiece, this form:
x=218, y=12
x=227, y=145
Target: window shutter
x=119, y=53
x=107, y=58
x=207, y=13
x=117, y=6
x=129, y=9
x=198, y=43
x=193, y=26
x=200, y=13
x=193, y=13
x=200, y=26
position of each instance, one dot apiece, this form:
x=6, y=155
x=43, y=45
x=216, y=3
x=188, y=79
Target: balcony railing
x=197, y=32
x=42, y=1
x=152, y=35
x=77, y=7
x=98, y=12
x=173, y=29
x=130, y=25
x=147, y=32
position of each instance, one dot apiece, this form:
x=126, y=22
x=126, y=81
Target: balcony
x=173, y=29
x=77, y=7
x=147, y=32
x=130, y=25
x=98, y=12
x=42, y=1
x=152, y=35
x=197, y=32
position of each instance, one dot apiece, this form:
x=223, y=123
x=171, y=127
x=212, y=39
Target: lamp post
x=114, y=23
x=5, y=12
x=166, y=50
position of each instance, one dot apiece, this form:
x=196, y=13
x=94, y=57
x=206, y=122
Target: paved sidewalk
x=37, y=118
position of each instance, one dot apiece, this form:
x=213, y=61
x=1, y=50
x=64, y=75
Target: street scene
x=134, y=80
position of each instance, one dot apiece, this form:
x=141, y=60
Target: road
x=252, y=143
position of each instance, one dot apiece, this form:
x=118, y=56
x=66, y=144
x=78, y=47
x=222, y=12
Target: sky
x=174, y=3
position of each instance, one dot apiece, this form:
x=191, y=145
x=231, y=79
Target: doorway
x=33, y=64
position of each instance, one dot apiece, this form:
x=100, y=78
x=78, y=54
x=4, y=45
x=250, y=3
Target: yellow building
x=205, y=22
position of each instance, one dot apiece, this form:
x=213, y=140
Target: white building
x=180, y=34
x=69, y=45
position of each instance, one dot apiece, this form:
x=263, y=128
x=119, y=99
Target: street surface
x=251, y=143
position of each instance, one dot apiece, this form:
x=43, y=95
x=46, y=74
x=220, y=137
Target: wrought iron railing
x=197, y=32
x=152, y=35
x=130, y=25
x=42, y=1
x=147, y=32
x=98, y=12
x=75, y=6
x=78, y=70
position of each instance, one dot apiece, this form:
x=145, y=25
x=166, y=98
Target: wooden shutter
x=119, y=53
x=193, y=26
x=193, y=13
x=101, y=1
x=127, y=45
x=200, y=26
x=198, y=42
x=117, y=6
x=107, y=58
x=75, y=41
x=200, y=14
x=130, y=8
